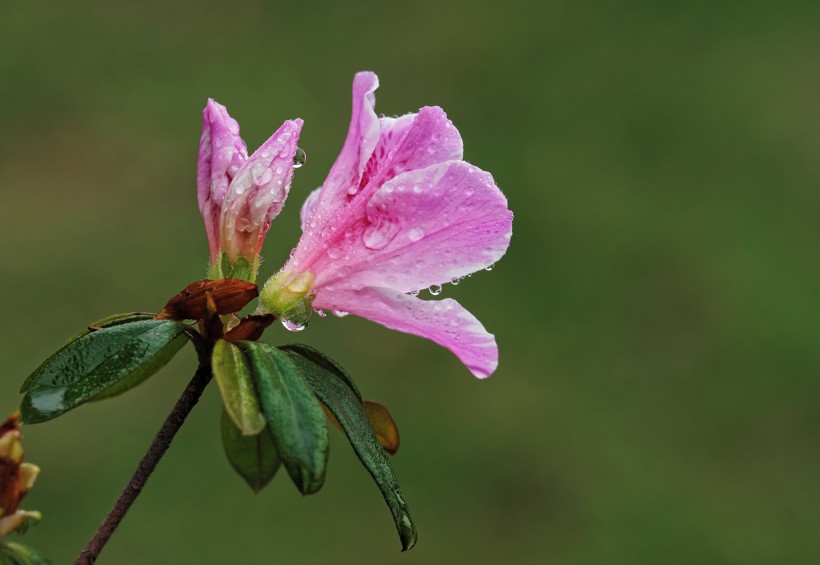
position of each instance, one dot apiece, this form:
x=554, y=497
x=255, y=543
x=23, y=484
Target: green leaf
x=323, y=361
x=346, y=406
x=233, y=378
x=296, y=420
x=253, y=457
x=98, y=365
x=110, y=321
x=16, y=554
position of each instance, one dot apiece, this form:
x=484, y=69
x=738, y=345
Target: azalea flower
x=16, y=478
x=240, y=195
x=400, y=211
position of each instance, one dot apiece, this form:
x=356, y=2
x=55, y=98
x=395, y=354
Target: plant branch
x=158, y=447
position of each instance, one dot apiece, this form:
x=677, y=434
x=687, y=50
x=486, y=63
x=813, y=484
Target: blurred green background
x=657, y=397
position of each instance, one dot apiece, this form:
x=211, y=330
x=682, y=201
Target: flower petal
x=422, y=228
x=413, y=142
x=362, y=137
x=221, y=153
x=306, y=213
x=445, y=322
x=258, y=191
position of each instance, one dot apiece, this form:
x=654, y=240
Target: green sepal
x=98, y=365
x=239, y=269
x=253, y=457
x=345, y=404
x=297, y=423
x=233, y=377
x=17, y=554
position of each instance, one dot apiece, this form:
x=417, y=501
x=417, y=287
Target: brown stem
x=161, y=443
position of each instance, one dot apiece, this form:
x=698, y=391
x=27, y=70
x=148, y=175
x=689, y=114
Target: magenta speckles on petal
x=400, y=211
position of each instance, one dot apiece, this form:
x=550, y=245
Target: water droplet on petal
x=435, y=290
x=414, y=293
x=321, y=313
x=340, y=313
x=417, y=188
x=489, y=267
x=300, y=158
x=378, y=234
x=334, y=252
x=456, y=280
x=415, y=234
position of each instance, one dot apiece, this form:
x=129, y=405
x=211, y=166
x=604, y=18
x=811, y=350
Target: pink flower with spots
x=240, y=195
x=400, y=211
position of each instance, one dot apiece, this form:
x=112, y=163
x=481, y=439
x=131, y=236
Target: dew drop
x=293, y=326
x=435, y=290
x=300, y=158
x=321, y=313
x=455, y=280
x=414, y=293
x=489, y=267
x=334, y=252
x=378, y=234
x=340, y=313
x=417, y=188
x=415, y=234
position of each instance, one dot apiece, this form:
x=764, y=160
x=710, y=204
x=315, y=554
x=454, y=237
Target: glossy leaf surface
x=100, y=364
x=233, y=377
x=344, y=403
x=297, y=423
x=253, y=457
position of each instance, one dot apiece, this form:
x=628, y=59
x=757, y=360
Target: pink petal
x=445, y=322
x=362, y=137
x=258, y=191
x=422, y=228
x=412, y=142
x=221, y=153
x=307, y=211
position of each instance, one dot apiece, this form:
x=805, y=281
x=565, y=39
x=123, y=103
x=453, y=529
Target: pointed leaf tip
x=296, y=421
x=346, y=406
x=98, y=365
x=254, y=458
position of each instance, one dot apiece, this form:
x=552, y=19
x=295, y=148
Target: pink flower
x=240, y=195
x=400, y=211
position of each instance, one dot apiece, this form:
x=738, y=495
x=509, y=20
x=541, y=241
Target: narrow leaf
x=253, y=457
x=319, y=358
x=344, y=403
x=99, y=365
x=297, y=423
x=233, y=378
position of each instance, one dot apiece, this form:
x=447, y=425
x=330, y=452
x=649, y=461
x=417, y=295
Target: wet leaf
x=98, y=365
x=232, y=375
x=297, y=423
x=253, y=457
x=344, y=403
